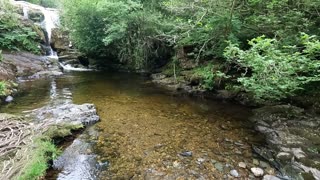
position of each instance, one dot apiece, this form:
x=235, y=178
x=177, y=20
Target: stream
x=147, y=132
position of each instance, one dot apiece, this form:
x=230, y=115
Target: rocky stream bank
x=291, y=133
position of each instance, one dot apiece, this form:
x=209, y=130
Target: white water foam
x=68, y=67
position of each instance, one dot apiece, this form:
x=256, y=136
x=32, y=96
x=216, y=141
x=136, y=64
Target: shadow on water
x=145, y=130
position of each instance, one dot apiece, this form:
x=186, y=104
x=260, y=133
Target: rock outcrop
x=24, y=65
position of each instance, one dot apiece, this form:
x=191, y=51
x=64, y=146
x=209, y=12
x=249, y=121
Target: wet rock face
x=60, y=40
x=27, y=66
x=85, y=114
x=293, y=139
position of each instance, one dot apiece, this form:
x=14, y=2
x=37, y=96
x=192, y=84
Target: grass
x=3, y=87
x=42, y=152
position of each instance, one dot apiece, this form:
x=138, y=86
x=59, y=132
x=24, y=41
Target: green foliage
x=276, y=71
x=43, y=151
x=6, y=87
x=3, y=88
x=14, y=35
x=142, y=33
x=121, y=30
x=209, y=76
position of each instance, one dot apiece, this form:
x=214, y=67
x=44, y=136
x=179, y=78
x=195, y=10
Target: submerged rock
x=76, y=163
x=186, y=153
x=270, y=177
x=9, y=99
x=242, y=165
x=219, y=166
x=258, y=172
x=234, y=173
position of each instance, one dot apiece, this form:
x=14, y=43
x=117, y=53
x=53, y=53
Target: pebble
x=219, y=167
x=255, y=162
x=186, y=153
x=264, y=165
x=234, y=173
x=298, y=153
x=258, y=172
x=238, y=144
x=270, y=177
x=242, y=165
x=9, y=99
x=200, y=160
x=176, y=164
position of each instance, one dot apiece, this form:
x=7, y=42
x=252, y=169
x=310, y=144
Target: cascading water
x=25, y=13
x=49, y=22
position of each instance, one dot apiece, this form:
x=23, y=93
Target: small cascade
x=68, y=67
x=25, y=13
x=51, y=21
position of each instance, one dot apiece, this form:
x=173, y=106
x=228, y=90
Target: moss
x=61, y=130
x=41, y=153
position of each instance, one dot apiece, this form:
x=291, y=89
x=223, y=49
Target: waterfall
x=68, y=67
x=51, y=20
x=25, y=13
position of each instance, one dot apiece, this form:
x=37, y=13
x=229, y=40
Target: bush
x=3, y=88
x=120, y=30
x=272, y=72
x=209, y=76
x=13, y=34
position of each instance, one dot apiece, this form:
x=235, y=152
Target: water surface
x=144, y=129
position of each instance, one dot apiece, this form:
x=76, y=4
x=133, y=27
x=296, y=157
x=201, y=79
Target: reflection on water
x=144, y=129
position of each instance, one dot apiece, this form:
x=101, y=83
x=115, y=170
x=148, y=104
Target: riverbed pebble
x=9, y=99
x=270, y=177
x=242, y=165
x=186, y=153
x=234, y=173
x=258, y=172
x=219, y=167
x=263, y=164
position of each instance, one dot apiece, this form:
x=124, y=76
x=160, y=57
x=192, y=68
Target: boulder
x=60, y=40
x=257, y=172
x=21, y=64
x=69, y=113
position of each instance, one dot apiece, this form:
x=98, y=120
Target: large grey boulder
x=68, y=113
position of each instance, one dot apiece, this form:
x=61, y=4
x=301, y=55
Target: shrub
x=209, y=76
x=273, y=72
x=13, y=34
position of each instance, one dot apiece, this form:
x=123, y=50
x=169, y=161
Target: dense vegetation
x=14, y=35
x=269, y=49
x=281, y=57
